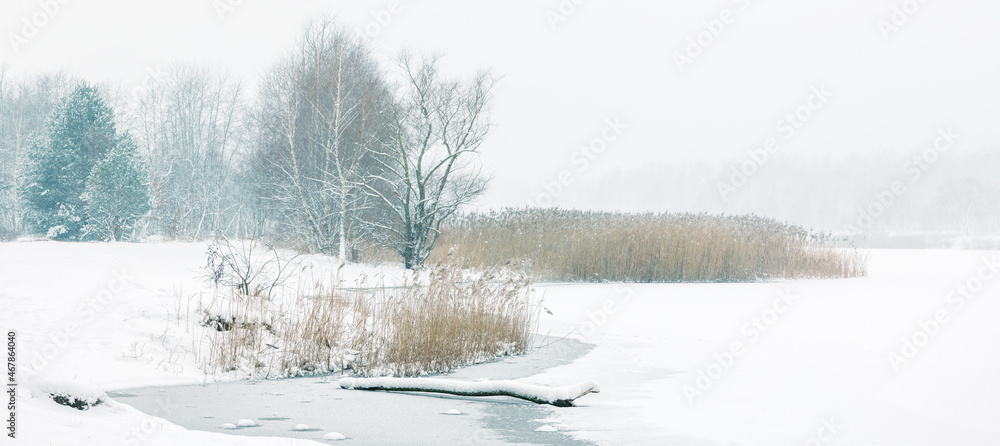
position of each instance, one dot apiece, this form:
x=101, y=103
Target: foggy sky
x=574, y=73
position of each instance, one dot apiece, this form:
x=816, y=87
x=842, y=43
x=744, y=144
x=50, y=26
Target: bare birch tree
x=186, y=121
x=320, y=111
x=429, y=169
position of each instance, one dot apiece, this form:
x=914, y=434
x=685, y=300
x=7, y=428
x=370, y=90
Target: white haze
x=681, y=133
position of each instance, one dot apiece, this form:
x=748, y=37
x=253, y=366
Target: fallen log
x=556, y=396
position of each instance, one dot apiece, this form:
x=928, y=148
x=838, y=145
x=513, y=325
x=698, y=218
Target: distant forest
x=958, y=193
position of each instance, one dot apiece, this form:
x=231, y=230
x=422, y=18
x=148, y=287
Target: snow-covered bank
x=110, y=315
x=859, y=361
x=42, y=422
x=790, y=362
x=115, y=314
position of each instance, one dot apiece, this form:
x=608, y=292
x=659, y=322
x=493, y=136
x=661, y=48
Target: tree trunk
x=556, y=396
x=342, y=255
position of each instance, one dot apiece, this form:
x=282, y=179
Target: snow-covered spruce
x=556, y=396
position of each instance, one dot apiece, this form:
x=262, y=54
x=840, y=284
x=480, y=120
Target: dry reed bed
x=435, y=325
x=567, y=245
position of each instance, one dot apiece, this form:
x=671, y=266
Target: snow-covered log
x=556, y=396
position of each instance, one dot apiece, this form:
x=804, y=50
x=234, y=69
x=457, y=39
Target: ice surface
x=417, y=419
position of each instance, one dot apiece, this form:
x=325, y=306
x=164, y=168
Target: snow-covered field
x=848, y=362
x=906, y=356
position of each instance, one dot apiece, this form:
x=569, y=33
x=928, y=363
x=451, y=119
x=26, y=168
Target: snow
x=453, y=412
x=301, y=427
x=44, y=387
x=228, y=426
x=117, y=303
x=244, y=422
x=96, y=317
x=334, y=436
x=546, y=428
x=904, y=356
x=823, y=364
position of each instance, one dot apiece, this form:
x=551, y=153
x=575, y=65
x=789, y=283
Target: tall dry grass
x=452, y=322
x=431, y=324
x=567, y=245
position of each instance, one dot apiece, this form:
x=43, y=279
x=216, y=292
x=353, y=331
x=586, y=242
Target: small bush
x=567, y=245
x=78, y=403
x=250, y=267
x=78, y=395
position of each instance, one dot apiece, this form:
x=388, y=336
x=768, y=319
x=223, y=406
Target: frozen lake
x=905, y=356
x=369, y=418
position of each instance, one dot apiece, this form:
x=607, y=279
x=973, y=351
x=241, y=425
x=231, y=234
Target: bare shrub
x=566, y=245
x=248, y=266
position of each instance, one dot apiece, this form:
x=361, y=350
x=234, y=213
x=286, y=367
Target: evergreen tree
x=78, y=135
x=117, y=193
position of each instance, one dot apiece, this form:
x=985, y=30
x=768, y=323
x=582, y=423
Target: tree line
x=332, y=153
